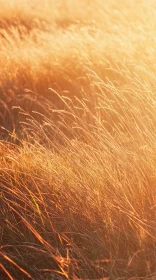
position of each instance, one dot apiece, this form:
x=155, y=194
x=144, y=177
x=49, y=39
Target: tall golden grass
x=78, y=141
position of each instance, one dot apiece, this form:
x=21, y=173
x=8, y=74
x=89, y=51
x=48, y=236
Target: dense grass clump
x=77, y=139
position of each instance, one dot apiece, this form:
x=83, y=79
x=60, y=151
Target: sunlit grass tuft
x=77, y=148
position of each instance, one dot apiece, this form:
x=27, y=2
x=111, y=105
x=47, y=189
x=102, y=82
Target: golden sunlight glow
x=77, y=139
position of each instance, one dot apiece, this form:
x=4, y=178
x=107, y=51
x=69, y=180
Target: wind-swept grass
x=77, y=148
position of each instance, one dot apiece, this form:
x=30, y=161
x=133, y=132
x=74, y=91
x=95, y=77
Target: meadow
x=77, y=139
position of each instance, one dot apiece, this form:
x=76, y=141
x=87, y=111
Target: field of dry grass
x=77, y=139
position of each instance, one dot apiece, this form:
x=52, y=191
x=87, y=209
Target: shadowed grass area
x=77, y=140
